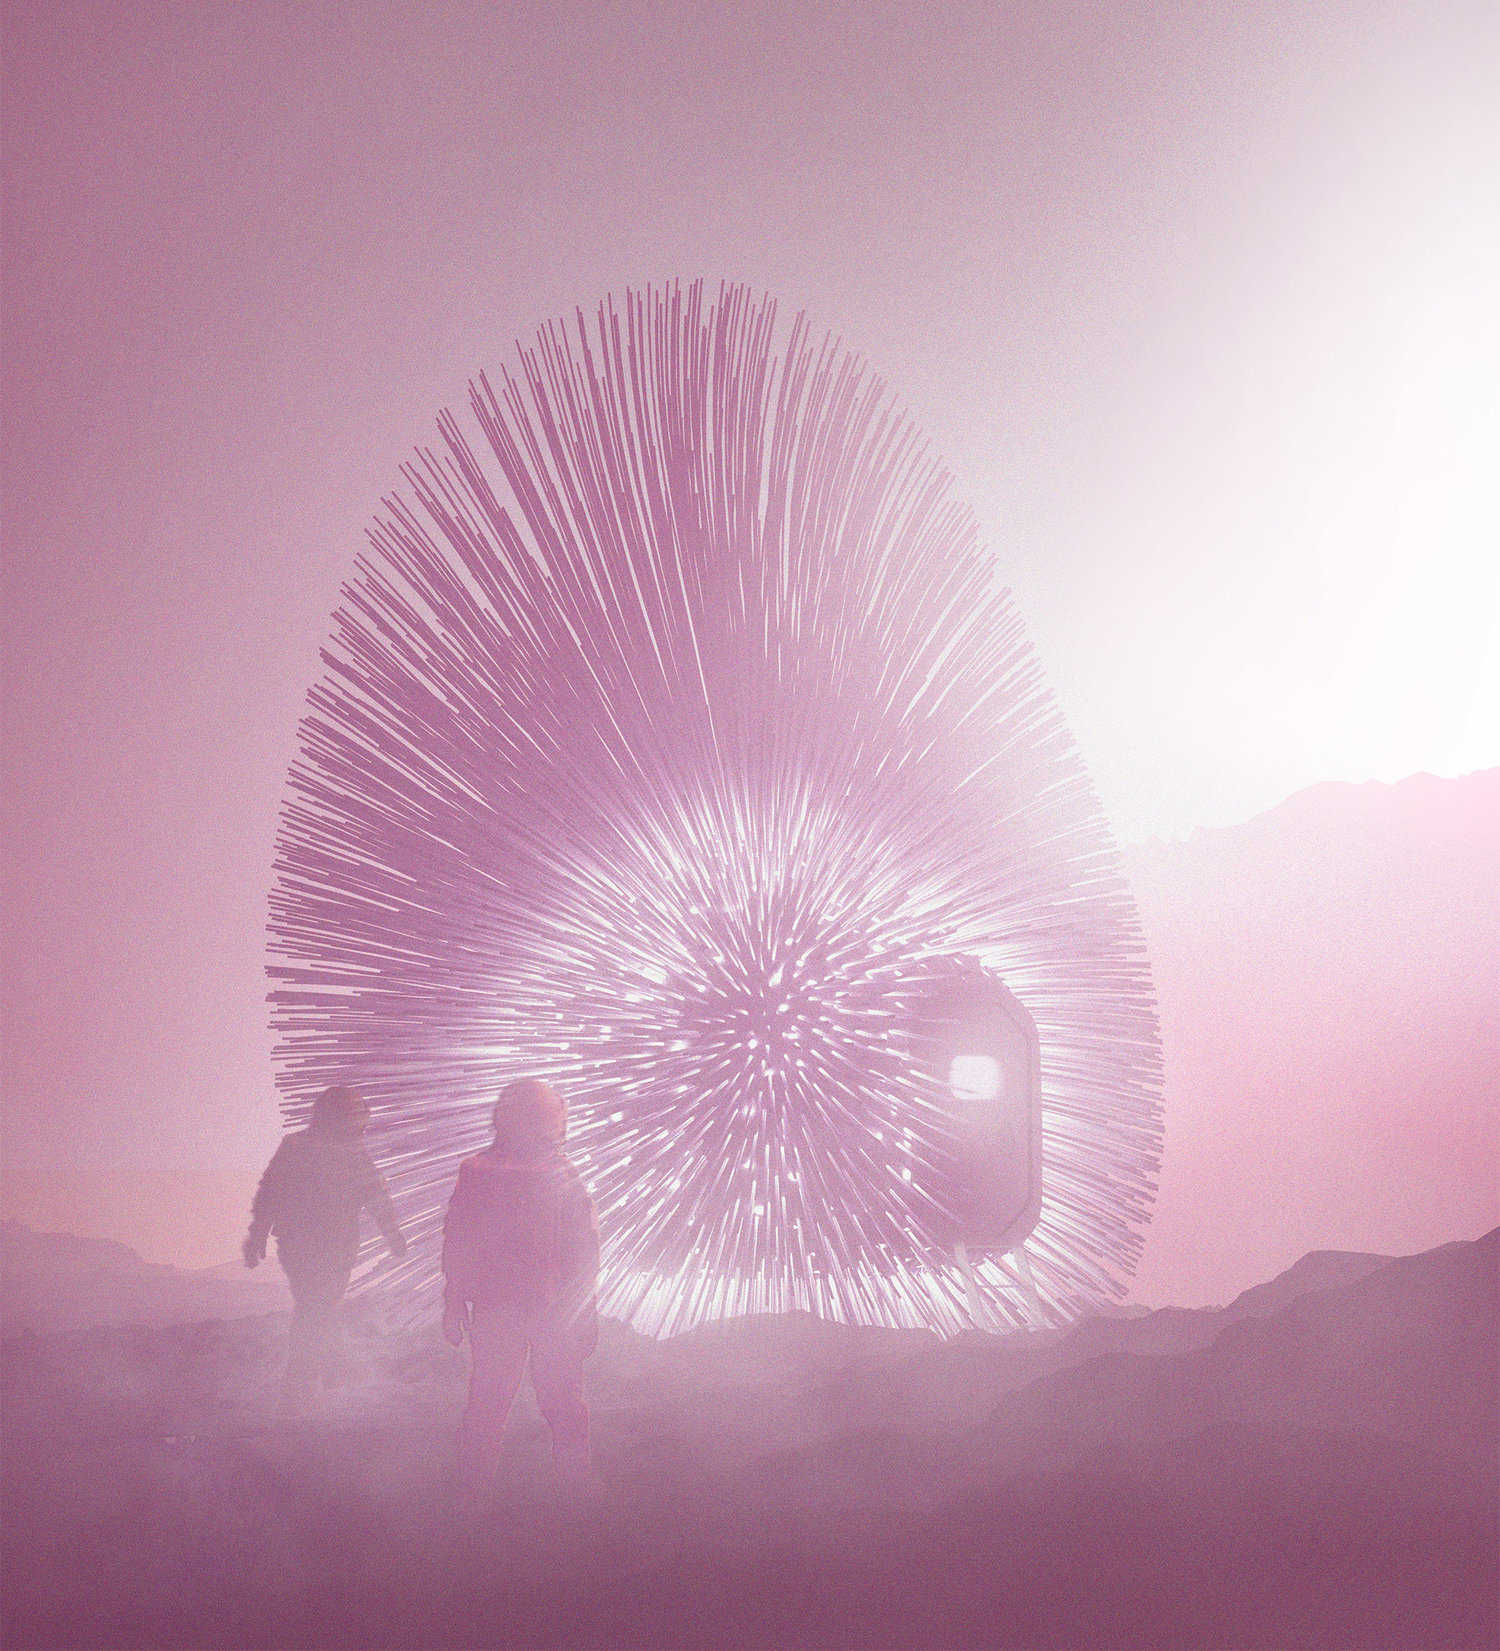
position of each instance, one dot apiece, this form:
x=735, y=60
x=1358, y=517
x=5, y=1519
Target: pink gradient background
x=1197, y=301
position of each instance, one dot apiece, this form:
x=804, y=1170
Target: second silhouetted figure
x=310, y=1197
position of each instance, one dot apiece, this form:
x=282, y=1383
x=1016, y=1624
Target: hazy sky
x=1197, y=299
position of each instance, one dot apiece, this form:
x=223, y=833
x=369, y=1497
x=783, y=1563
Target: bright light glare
x=975, y=1078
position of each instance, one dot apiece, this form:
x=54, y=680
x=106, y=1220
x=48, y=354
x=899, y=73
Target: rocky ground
x=1314, y=1465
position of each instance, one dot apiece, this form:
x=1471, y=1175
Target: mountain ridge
x=1326, y=976
x=59, y=1281
x=60, y=1260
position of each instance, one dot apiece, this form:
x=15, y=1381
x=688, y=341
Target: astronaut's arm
x=265, y=1207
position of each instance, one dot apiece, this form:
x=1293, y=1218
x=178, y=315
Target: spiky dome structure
x=668, y=736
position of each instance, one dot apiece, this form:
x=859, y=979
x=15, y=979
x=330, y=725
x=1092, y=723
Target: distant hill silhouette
x=1410, y=1350
x=1317, y=1270
x=57, y=1281
x=1327, y=976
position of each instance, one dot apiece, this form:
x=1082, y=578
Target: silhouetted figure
x=310, y=1197
x=520, y=1268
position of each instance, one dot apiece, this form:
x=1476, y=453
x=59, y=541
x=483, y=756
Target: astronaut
x=310, y=1197
x=520, y=1270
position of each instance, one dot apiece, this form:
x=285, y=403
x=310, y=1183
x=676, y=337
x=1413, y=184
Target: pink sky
x=1196, y=300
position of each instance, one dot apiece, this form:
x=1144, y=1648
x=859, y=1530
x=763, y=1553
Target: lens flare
x=672, y=739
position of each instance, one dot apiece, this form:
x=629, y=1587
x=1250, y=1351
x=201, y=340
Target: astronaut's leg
x=315, y=1350
x=557, y=1376
x=497, y=1346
